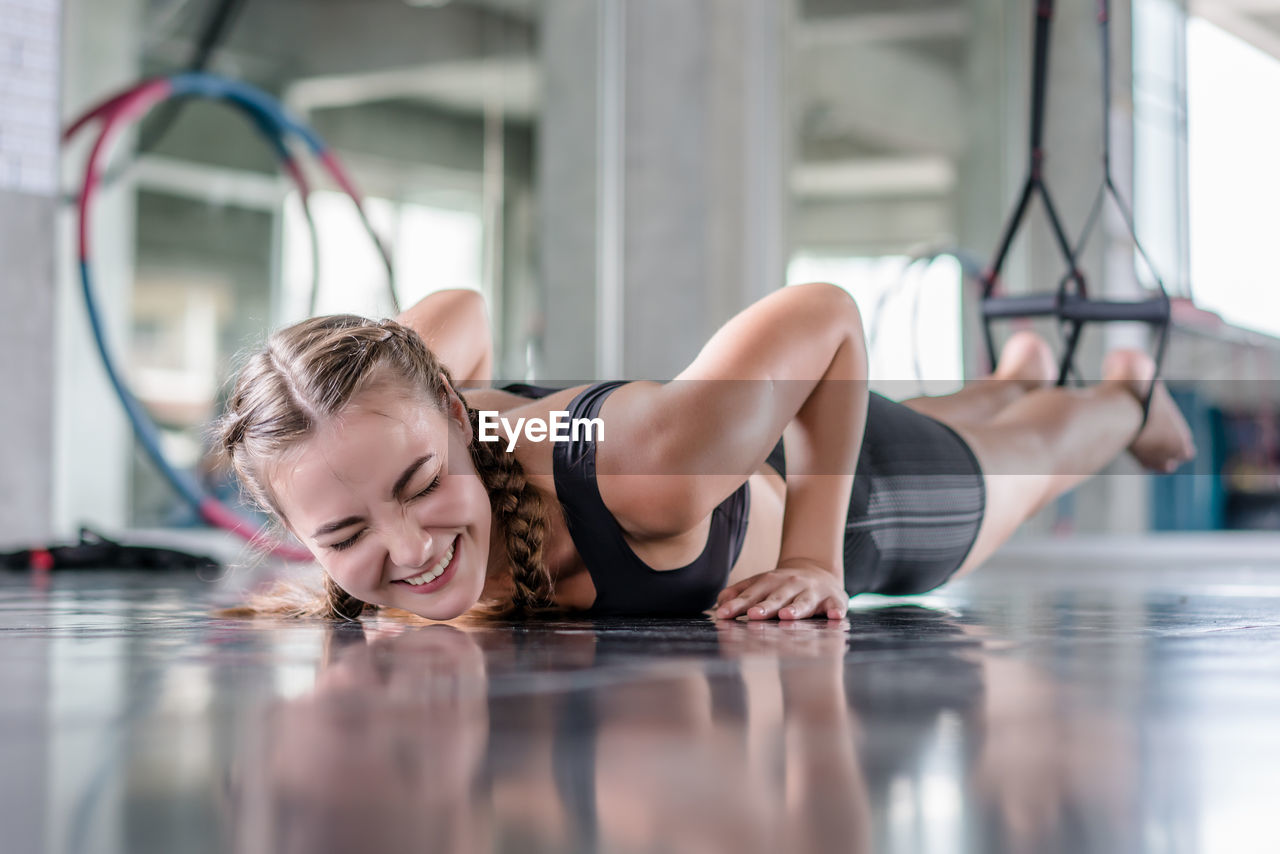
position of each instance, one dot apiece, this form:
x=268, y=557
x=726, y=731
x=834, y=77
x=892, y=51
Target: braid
x=339, y=603
x=518, y=508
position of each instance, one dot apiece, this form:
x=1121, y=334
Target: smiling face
x=386, y=497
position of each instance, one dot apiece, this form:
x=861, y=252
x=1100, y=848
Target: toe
x=1026, y=356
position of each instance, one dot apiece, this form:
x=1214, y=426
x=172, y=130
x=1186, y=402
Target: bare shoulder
x=653, y=491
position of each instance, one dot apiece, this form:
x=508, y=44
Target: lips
x=440, y=580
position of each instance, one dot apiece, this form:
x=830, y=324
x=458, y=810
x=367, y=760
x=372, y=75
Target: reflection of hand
x=805, y=660
x=780, y=775
x=797, y=639
x=792, y=592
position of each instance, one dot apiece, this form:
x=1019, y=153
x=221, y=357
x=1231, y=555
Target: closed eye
x=351, y=541
x=348, y=542
x=430, y=487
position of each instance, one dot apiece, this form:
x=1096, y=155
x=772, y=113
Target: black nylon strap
x=1071, y=305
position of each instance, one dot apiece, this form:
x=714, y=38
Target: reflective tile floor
x=1107, y=703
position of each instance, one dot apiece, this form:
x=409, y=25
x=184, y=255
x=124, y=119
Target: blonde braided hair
x=308, y=372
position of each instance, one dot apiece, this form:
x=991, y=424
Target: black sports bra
x=624, y=583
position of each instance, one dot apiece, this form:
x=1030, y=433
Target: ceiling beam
x=874, y=177
x=1233, y=16
x=871, y=27
x=468, y=85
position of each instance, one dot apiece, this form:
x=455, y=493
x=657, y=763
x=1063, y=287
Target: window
x=1234, y=134
x=910, y=313
x=434, y=248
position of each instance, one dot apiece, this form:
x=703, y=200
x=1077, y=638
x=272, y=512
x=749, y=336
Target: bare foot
x=1165, y=441
x=1028, y=359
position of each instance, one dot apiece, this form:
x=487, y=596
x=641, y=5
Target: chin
x=440, y=614
x=459, y=595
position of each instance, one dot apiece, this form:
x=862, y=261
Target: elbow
x=464, y=303
x=831, y=300
x=833, y=309
x=453, y=306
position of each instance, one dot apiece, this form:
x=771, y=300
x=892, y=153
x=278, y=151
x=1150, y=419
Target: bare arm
x=455, y=326
x=793, y=361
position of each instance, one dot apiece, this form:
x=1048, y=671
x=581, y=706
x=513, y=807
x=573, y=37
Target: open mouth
x=435, y=577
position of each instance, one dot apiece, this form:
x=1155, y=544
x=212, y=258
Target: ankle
x=1132, y=392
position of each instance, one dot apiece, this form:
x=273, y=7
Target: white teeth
x=435, y=572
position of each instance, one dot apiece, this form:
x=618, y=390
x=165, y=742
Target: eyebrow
x=400, y=484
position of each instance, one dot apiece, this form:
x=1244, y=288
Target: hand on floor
x=786, y=593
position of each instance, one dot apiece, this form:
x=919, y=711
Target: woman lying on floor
x=364, y=444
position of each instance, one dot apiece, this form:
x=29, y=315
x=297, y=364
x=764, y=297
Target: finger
x=760, y=589
x=731, y=608
x=769, y=605
x=736, y=589
x=837, y=607
x=732, y=591
x=737, y=607
x=800, y=607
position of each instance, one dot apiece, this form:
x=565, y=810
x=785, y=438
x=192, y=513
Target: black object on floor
x=95, y=551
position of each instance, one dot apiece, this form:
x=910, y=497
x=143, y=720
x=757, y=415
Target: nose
x=410, y=545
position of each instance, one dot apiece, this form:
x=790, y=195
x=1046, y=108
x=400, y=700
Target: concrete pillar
x=92, y=439
x=664, y=155
x=567, y=192
x=29, y=62
x=993, y=162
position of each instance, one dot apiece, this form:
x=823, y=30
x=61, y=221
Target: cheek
x=353, y=573
x=461, y=501
x=478, y=497
x=474, y=514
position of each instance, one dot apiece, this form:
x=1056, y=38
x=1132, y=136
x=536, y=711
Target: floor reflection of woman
x=801, y=737
x=393, y=750
x=383, y=755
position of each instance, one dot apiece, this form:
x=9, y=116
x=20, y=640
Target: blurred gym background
x=618, y=178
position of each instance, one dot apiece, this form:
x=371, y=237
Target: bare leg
x=1051, y=439
x=1026, y=363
